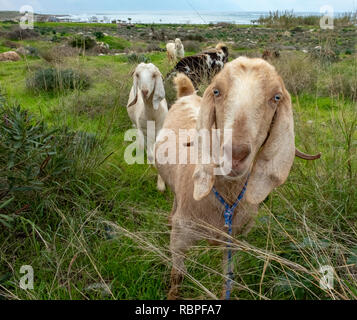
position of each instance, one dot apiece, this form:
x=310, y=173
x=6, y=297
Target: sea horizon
x=169, y=17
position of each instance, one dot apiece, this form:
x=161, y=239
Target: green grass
x=79, y=25
x=116, y=43
x=102, y=231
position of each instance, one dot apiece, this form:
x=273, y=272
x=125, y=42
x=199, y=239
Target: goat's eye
x=277, y=97
x=216, y=92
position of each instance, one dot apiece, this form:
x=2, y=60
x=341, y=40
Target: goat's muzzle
x=239, y=155
x=145, y=93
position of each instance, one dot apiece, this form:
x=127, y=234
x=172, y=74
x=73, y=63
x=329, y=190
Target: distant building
x=66, y=19
x=52, y=19
x=93, y=19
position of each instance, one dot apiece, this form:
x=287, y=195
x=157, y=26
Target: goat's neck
x=230, y=189
x=149, y=106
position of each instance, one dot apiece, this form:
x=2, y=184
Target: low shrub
x=325, y=54
x=33, y=159
x=286, y=19
x=59, y=53
x=196, y=37
x=52, y=79
x=298, y=71
x=83, y=42
x=99, y=35
x=153, y=47
x=20, y=34
x=192, y=46
x=138, y=58
x=340, y=81
x=10, y=44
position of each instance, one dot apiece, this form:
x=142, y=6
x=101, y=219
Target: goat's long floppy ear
x=275, y=159
x=159, y=93
x=135, y=92
x=203, y=177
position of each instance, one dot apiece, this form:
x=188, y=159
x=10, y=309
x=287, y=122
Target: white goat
x=175, y=50
x=147, y=103
x=180, y=50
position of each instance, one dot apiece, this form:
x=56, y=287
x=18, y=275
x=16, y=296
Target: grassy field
x=94, y=227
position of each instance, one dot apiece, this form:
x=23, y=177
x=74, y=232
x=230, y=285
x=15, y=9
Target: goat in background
x=175, y=50
x=202, y=66
x=147, y=103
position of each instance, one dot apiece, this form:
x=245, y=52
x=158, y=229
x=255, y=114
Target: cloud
x=301, y=5
x=15, y=5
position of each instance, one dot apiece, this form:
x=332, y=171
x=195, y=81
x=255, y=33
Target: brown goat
x=250, y=98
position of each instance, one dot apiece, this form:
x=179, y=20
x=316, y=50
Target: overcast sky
x=83, y=6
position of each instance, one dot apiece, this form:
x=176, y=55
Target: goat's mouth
x=239, y=169
x=237, y=161
x=146, y=94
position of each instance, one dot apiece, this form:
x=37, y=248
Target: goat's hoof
x=173, y=295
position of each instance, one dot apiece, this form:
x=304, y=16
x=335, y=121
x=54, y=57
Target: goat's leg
x=225, y=272
x=181, y=240
x=173, y=210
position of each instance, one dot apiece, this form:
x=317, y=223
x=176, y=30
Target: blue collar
x=228, y=217
x=229, y=210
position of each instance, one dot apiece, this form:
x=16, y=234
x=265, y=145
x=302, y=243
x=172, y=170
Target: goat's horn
x=305, y=156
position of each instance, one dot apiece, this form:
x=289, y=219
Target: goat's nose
x=241, y=152
x=145, y=92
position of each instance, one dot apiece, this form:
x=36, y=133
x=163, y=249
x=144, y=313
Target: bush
x=99, y=35
x=325, y=54
x=33, y=52
x=192, y=46
x=287, y=19
x=83, y=42
x=154, y=47
x=346, y=19
x=19, y=34
x=138, y=58
x=52, y=80
x=10, y=44
x=58, y=54
x=55, y=39
x=35, y=159
x=196, y=37
x=340, y=81
x=298, y=71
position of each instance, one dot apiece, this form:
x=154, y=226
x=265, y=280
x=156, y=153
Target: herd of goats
x=246, y=96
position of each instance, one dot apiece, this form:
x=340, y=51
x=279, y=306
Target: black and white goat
x=204, y=65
